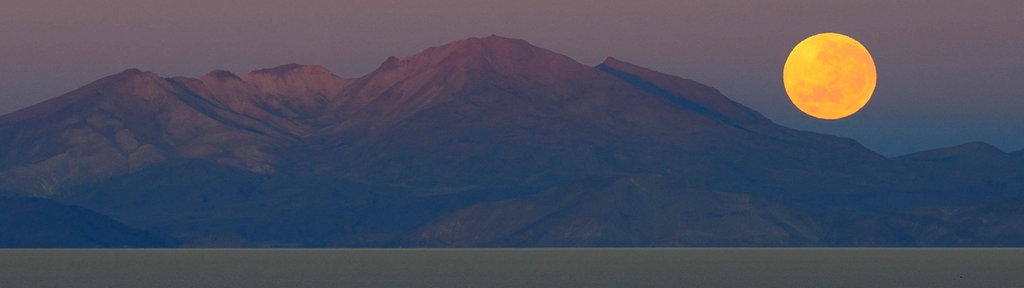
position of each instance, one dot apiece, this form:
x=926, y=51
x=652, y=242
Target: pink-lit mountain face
x=124, y=123
x=480, y=142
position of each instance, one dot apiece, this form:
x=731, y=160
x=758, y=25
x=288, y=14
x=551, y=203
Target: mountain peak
x=307, y=87
x=309, y=75
x=497, y=48
x=980, y=146
x=972, y=150
x=405, y=84
x=294, y=68
x=493, y=42
x=128, y=80
x=132, y=74
x=618, y=64
x=975, y=147
x=220, y=74
x=130, y=71
x=492, y=53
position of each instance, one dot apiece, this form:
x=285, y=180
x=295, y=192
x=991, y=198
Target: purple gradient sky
x=950, y=71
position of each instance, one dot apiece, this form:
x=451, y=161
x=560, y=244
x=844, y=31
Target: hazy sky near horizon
x=949, y=71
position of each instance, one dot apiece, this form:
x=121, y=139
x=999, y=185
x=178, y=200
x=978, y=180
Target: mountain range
x=483, y=142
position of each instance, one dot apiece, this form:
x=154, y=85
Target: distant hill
x=486, y=142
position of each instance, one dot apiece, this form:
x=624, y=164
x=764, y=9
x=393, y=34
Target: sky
x=949, y=71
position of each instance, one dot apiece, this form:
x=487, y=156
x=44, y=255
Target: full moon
x=829, y=76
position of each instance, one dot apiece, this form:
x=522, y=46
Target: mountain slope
x=290, y=98
x=968, y=173
x=119, y=124
x=634, y=211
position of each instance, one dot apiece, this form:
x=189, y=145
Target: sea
x=627, y=267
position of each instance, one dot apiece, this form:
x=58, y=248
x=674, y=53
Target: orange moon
x=829, y=76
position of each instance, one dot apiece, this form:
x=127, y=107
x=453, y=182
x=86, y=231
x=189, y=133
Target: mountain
x=483, y=142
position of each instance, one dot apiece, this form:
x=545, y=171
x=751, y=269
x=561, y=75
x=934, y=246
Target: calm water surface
x=513, y=268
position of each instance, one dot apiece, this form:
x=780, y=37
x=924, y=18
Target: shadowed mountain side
x=664, y=211
x=209, y=205
x=43, y=223
x=962, y=175
x=632, y=211
x=992, y=224
x=973, y=153
x=698, y=97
